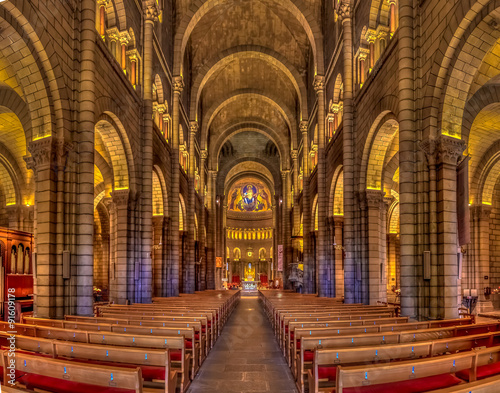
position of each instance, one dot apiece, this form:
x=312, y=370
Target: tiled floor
x=246, y=357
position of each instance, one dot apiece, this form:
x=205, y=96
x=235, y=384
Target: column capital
x=113, y=33
x=193, y=127
x=450, y=149
x=204, y=154
x=294, y=154
x=212, y=173
x=48, y=152
x=103, y=3
x=338, y=221
x=344, y=9
x=382, y=31
x=303, y=126
x=482, y=212
x=336, y=107
x=374, y=198
x=178, y=84
x=371, y=36
x=150, y=10
x=133, y=54
x=125, y=37
x=319, y=84
x=363, y=53
x=285, y=173
x=120, y=197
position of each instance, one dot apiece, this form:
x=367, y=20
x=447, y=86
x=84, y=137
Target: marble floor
x=246, y=357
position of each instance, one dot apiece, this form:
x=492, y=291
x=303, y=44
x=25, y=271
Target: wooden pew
x=326, y=360
x=43, y=373
x=180, y=359
x=154, y=363
x=308, y=344
x=488, y=385
x=192, y=344
x=164, y=322
x=428, y=374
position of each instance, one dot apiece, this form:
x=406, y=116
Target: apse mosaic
x=249, y=196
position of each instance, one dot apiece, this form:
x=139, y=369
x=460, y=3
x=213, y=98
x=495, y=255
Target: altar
x=250, y=285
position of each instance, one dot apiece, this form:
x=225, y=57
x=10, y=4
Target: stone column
x=309, y=271
x=151, y=12
x=481, y=219
x=42, y=152
x=124, y=40
x=133, y=56
x=449, y=151
x=201, y=227
x=339, y=256
x=296, y=207
x=371, y=37
x=407, y=162
x=374, y=200
x=393, y=16
x=286, y=230
x=85, y=137
x=102, y=16
x=121, y=270
x=344, y=11
x=211, y=230
x=158, y=246
x=189, y=278
x=324, y=267
x=178, y=86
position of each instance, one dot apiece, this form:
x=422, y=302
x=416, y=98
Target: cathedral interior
x=249, y=160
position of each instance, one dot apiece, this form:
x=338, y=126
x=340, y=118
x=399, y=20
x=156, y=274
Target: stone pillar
x=371, y=37
x=119, y=239
x=42, y=151
x=211, y=230
x=393, y=16
x=189, y=278
x=133, y=56
x=449, y=151
x=324, y=267
x=286, y=230
x=374, y=200
x=201, y=227
x=85, y=194
x=407, y=163
x=339, y=256
x=481, y=236
x=296, y=207
x=309, y=271
x=344, y=11
x=124, y=40
x=178, y=86
x=158, y=247
x=151, y=12
x=102, y=16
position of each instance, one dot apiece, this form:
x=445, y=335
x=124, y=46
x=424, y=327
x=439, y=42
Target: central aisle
x=246, y=357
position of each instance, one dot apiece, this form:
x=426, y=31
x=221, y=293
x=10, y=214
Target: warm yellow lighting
x=10, y=204
x=487, y=203
x=121, y=188
x=38, y=137
x=374, y=188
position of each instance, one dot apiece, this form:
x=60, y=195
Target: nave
x=246, y=358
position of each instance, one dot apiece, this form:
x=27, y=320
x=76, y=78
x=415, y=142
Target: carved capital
x=124, y=37
x=382, y=32
x=178, y=84
x=150, y=10
x=294, y=154
x=482, y=212
x=319, y=84
x=428, y=146
x=344, y=9
x=48, y=153
x=303, y=126
x=133, y=55
x=374, y=198
x=371, y=36
x=113, y=34
x=449, y=149
x=284, y=173
x=204, y=154
x=363, y=54
x=336, y=108
x=193, y=127
x=103, y=3
x=120, y=197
